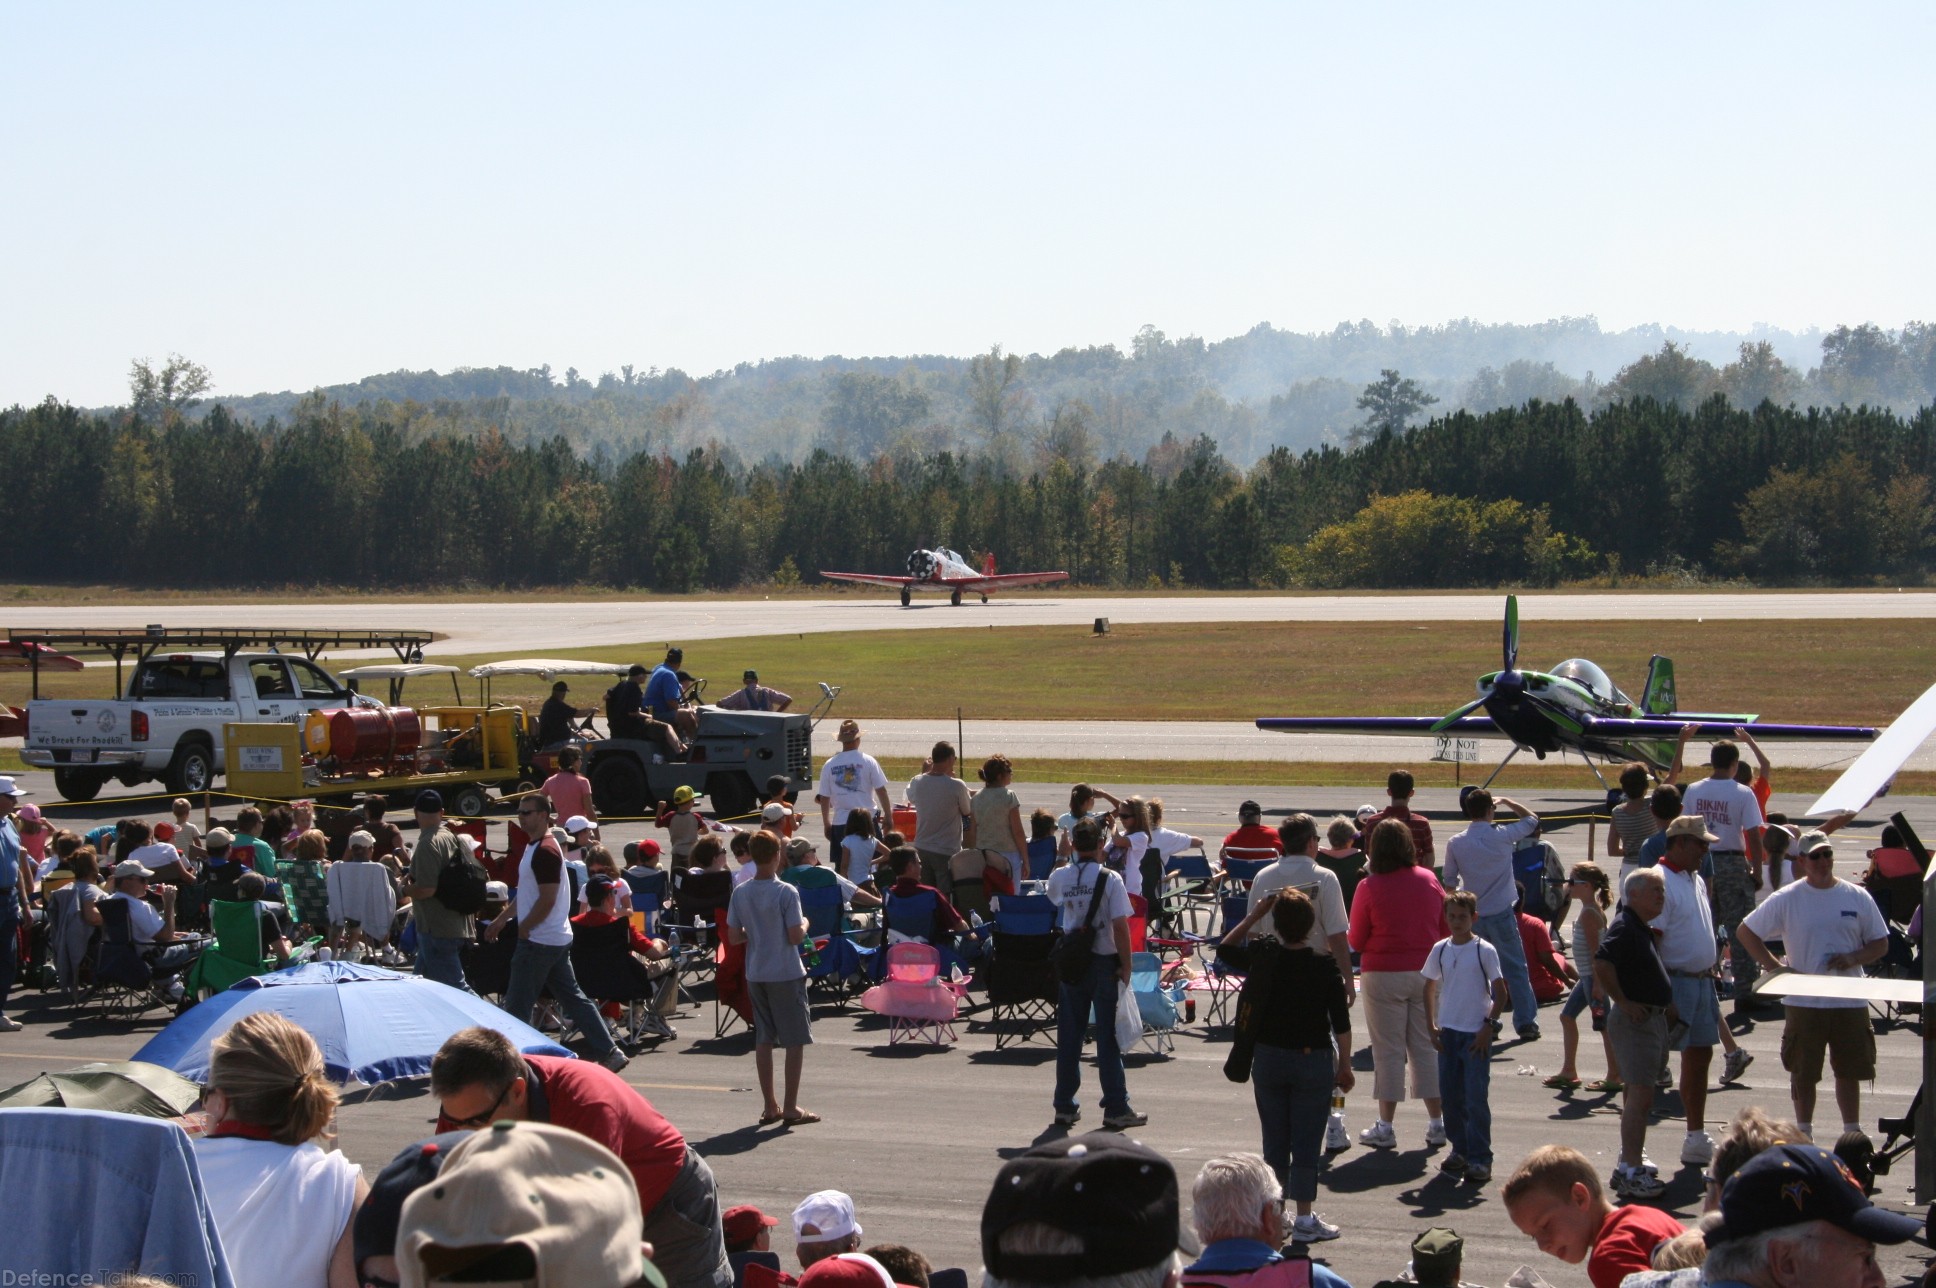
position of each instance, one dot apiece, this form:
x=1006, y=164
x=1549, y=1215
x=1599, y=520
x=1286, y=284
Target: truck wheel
x=618, y=786
x=469, y=802
x=731, y=794
x=78, y=784
x=192, y=769
x=907, y=597
x=955, y=599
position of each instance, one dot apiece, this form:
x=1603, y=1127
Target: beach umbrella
x=372, y=1024
x=118, y=1086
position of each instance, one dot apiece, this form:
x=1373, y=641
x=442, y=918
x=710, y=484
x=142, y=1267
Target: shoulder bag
x=1072, y=953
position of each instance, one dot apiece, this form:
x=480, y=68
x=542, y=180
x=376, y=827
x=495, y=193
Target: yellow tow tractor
x=459, y=749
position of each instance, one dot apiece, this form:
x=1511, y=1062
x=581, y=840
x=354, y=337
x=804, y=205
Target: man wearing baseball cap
x=1827, y=926
x=441, y=932
x=850, y=780
x=1252, y=839
x=16, y=887
x=154, y=932
x=1095, y=1207
x=1686, y=944
x=824, y=1226
x=525, y=1203
x=1795, y=1216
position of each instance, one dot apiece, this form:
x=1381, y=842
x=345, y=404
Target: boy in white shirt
x=1465, y=991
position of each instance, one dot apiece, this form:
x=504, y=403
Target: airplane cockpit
x=1589, y=675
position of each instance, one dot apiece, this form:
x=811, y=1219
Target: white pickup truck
x=168, y=722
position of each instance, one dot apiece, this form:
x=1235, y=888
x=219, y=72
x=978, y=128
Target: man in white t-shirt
x=1828, y=927
x=1734, y=816
x=850, y=780
x=1298, y=869
x=1686, y=946
x=1075, y=888
x=153, y=932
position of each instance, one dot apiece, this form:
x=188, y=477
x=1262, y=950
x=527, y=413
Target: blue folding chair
x=914, y=916
x=838, y=967
x=1189, y=891
x=1041, y=858
x=1156, y=1000
x=1220, y=982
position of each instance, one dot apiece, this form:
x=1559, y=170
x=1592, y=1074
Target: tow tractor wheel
x=955, y=599
x=618, y=786
x=469, y=802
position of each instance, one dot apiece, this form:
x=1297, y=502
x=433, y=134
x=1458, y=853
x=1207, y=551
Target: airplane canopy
x=1587, y=674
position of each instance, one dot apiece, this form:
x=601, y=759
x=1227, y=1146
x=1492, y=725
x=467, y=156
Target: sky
x=301, y=195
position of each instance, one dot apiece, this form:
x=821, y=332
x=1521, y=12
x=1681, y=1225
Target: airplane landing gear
x=984, y=599
x=955, y=599
x=907, y=597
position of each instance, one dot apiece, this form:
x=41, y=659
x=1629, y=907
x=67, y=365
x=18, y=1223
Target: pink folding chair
x=920, y=1005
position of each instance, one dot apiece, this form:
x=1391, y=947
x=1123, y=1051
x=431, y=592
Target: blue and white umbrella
x=373, y=1025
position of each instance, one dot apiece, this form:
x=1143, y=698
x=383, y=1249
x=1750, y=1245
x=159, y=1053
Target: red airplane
x=943, y=569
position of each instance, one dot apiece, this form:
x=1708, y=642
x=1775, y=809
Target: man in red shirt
x=905, y=861
x=1399, y=786
x=654, y=957
x=480, y=1078
x=1251, y=834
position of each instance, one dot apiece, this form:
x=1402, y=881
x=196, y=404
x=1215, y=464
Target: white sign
x=260, y=760
x=1460, y=749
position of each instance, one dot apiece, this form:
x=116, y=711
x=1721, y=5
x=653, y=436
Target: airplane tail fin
x=1659, y=698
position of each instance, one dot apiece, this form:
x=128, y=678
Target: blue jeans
x=1096, y=994
x=442, y=960
x=1293, y=1091
x=1501, y=930
x=537, y=966
x=1465, y=1080
x=9, y=942
x=171, y=959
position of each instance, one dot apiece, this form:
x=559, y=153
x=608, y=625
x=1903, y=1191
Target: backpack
x=461, y=882
x=1529, y=871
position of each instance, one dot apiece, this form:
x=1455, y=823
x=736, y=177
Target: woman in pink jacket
x=1397, y=914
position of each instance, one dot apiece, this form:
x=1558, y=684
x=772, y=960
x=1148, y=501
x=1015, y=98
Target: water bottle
x=1337, y=1100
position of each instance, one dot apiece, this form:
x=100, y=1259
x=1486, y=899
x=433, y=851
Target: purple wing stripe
x=1376, y=724
x=1609, y=727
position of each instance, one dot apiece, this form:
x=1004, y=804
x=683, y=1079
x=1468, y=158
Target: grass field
x=1820, y=671
x=1814, y=671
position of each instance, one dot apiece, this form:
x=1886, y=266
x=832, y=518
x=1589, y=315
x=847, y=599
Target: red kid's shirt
x=1538, y=946
x=1626, y=1241
x=586, y=1097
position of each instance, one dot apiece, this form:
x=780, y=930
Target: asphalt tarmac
x=519, y=629
x=916, y=1134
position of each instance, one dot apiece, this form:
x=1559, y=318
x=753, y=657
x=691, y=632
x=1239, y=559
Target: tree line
x=1536, y=494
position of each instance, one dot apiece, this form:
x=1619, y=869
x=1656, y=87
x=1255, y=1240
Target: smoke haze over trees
x=1251, y=393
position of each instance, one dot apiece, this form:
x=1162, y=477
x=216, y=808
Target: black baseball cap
x=415, y=1166
x=750, y=675
x=1792, y=1184
x=430, y=801
x=598, y=888
x=1116, y=1195
x=1250, y=809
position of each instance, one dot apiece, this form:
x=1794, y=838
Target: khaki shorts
x=780, y=1014
x=1638, y=1049
x=1843, y=1032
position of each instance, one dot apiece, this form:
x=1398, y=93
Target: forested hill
x=1538, y=494
x=1266, y=388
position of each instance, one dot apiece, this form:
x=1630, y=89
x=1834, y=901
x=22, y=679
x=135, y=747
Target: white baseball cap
x=10, y=788
x=824, y=1215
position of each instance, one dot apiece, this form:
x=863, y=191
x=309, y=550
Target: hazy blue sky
x=304, y=195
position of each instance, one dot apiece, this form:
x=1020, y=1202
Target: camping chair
x=919, y=1004
x=236, y=953
x=142, y=1171
x=699, y=909
x=732, y=1002
x=836, y=965
x=914, y=917
x=124, y=983
x=648, y=896
x=1156, y=1000
x=361, y=892
x=487, y=963
x=74, y=955
x=601, y=957
x=1022, y=985
x=1040, y=858
x=1241, y=866
x=1220, y=982
x=1188, y=891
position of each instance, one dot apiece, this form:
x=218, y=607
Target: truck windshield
x=180, y=678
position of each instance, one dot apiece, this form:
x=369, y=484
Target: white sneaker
x=615, y=1060
x=1435, y=1133
x=1638, y=1182
x=1336, y=1136
x=1698, y=1149
x=9, y=1025
x=1379, y=1136
x=1312, y=1228
x=1734, y=1065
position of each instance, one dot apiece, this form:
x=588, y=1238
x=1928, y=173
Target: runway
x=511, y=628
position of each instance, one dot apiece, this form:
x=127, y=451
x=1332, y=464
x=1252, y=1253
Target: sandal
x=1611, y=1086
x=767, y=1120
x=803, y=1117
x=1560, y=1082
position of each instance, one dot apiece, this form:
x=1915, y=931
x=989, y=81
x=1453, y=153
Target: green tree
x=165, y=394
x=865, y=412
x=1758, y=376
x=1671, y=377
x=997, y=402
x=1388, y=403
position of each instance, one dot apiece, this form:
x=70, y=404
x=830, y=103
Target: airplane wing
x=874, y=579
x=1006, y=581
x=1669, y=726
x=1470, y=726
x=1874, y=768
